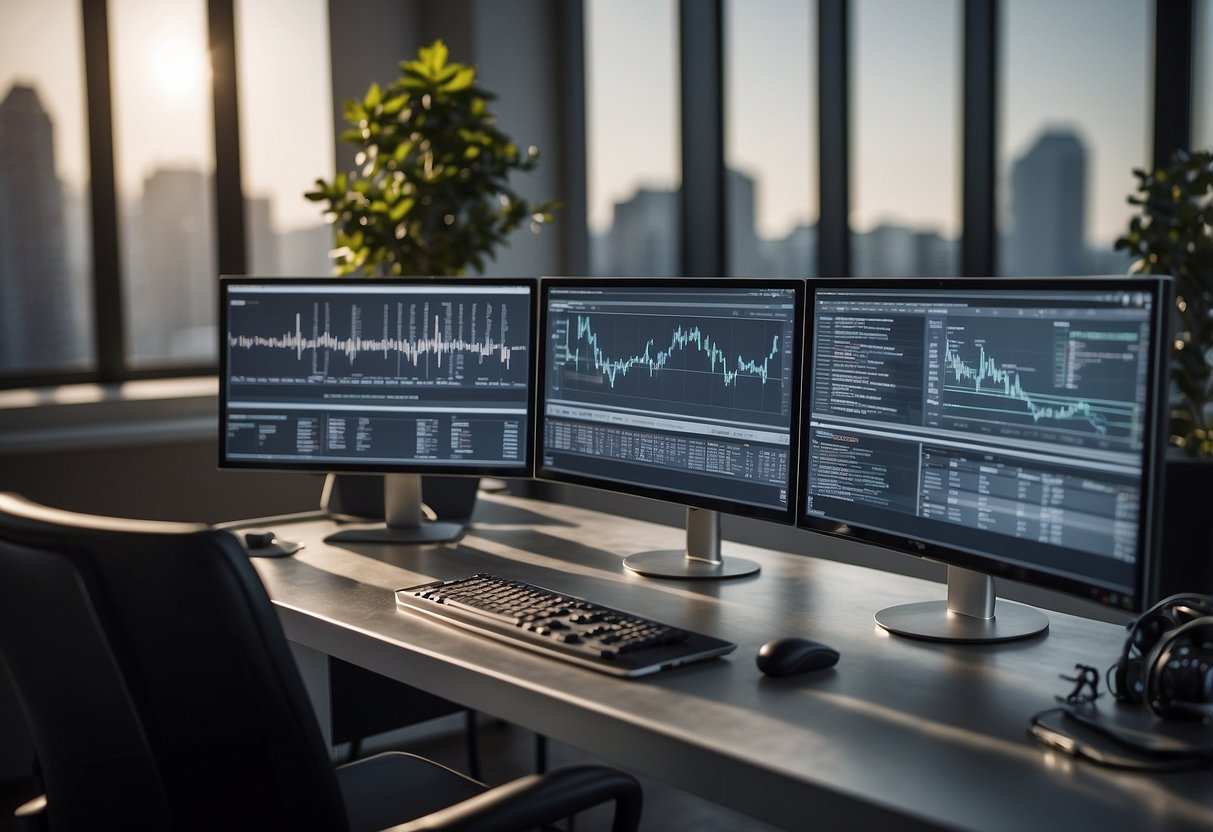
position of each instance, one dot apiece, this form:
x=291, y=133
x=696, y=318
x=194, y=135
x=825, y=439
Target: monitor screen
x=677, y=389
x=1012, y=427
x=407, y=375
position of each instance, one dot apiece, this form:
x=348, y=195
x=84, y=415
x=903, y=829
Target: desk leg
x=314, y=668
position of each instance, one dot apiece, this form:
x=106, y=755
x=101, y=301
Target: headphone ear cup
x=1179, y=672
x=1133, y=668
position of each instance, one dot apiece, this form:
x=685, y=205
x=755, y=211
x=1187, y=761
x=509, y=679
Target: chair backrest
x=160, y=640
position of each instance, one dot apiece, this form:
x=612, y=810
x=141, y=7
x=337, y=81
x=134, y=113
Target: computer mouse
x=258, y=540
x=266, y=544
x=790, y=655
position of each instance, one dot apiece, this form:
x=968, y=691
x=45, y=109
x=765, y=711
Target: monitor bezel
x=670, y=495
x=523, y=469
x=1153, y=450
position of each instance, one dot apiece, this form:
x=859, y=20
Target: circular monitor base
x=424, y=533
x=674, y=563
x=933, y=621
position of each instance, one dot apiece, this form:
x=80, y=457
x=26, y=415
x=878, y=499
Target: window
x=1202, y=80
x=632, y=154
x=164, y=165
x=770, y=99
x=45, y=293
x=286, y=133
x=1075, y=122
x=905, y=151
x=1074, y=119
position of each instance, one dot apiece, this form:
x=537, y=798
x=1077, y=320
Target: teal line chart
x=994, y=395
x=689, y=364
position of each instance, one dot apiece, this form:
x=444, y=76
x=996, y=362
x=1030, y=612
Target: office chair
x=161, y=694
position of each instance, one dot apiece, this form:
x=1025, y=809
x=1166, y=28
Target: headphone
x=1167, y=660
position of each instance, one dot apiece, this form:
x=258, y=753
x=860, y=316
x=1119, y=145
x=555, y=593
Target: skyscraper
x=173, y=284
x=888, y=250
x=305, y=251
x=1049, y=207
x=37, y=304
x=743, y=251
x=644, y=235
x=261, y=241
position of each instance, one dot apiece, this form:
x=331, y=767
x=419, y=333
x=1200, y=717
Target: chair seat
x=394, y=787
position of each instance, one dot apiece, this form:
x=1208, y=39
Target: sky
x=1081, y=64
x=162, y=111
x=632, y=135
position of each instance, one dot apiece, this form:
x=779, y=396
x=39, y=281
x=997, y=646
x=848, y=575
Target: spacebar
x=480, y=612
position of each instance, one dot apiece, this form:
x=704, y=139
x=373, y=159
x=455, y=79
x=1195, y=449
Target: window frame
x=703, y=242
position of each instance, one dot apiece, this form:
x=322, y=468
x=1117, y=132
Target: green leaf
x=461, y=81
x=433, y=57
x=373, y=96
x=401, y=209
x=394, y=105
x=352, y=111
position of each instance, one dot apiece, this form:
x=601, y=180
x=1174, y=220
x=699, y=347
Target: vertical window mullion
x=701, y=58
x=229, y=197
x=833, y=225
x=107, y=280
x=1173, y=24
x=979, y=237
x=574, y=224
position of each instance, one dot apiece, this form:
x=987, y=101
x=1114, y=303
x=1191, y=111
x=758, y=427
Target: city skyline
x=744, y=193
x=1058, y=65
x=896, y=47
x=40, y=325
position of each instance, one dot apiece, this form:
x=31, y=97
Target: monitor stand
x=967, y=615
x=700, y=560
x=405, y=521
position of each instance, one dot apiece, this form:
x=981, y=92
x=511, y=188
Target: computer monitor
x=399, y=376
x=676, y=389
x=1009, y=428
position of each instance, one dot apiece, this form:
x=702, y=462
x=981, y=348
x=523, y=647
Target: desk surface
x=900, y=734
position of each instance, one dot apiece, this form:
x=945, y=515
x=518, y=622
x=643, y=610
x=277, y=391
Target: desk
x=901, y=734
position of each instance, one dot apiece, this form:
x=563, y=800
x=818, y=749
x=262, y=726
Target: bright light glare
x=179, y=67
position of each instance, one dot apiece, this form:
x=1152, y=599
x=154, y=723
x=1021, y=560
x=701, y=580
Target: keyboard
x=561, y=626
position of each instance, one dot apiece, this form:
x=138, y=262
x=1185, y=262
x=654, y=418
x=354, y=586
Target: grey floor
x=508, y=752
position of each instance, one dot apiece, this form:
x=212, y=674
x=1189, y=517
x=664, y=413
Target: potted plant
x=1173, y=234
x=430, y=192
